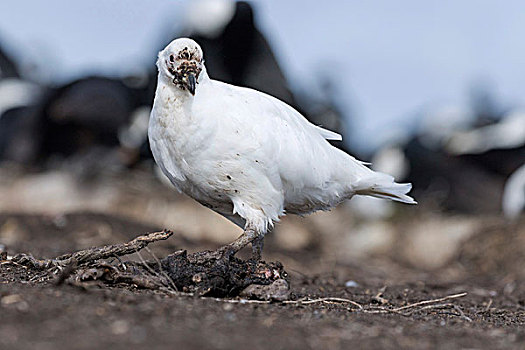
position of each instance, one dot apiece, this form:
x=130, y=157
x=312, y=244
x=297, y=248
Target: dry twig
x=412, y=308
x=108, y=251
x=93, y=254
x=431, y=301
x=161, y=269
x=329, y=300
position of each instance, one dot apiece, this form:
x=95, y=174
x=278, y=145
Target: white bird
x=247, y=155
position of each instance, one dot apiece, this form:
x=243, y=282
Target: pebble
x=351, y=284
x=279, y=290
x=119, y=327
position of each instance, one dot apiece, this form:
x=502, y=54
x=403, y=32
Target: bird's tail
x=383, y=186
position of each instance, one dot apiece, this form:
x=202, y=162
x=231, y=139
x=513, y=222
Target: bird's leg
x=257, y=247
x=250, y=235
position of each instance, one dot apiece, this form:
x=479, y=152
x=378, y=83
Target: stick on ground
x=93, y=254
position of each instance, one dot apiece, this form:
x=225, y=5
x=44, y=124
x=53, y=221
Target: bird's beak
x=190, y=82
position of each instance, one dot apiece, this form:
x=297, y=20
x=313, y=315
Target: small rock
x=227, y=307
x=100, y=311
x=279, y=290
x=11, y=299
x=119, y=327
x=16, y=301
x=60, y=221
x=351, y=284
x=198, y=277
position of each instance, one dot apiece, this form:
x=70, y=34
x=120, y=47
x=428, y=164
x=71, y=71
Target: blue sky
x=388, y=58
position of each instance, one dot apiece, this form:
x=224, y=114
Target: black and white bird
x=237, y=51
x=247, y=155
x=500, y=148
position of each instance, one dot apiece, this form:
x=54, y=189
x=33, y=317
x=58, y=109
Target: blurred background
x=431, y=92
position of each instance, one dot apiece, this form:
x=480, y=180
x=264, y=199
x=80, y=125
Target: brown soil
x=376, y=311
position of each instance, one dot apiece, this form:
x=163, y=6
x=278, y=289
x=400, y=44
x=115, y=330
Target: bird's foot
x=226, y=253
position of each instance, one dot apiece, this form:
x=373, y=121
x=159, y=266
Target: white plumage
x=245, y=154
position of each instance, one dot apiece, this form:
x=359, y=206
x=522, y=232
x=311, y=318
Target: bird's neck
x=171, y=93
x=173, y=105
x=172, y=115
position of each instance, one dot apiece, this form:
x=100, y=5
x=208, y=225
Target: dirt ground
x=487, y=266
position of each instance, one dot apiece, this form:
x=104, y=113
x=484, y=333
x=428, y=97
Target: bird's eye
x=172, y=58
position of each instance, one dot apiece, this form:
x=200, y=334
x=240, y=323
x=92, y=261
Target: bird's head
x=181, y=62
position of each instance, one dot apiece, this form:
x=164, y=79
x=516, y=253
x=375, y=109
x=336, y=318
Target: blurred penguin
x=498, y=147
x=17, y=100
x=8, y=68
x=442, y=180
x=236, y=51
x=82, y=113
x=81, y=125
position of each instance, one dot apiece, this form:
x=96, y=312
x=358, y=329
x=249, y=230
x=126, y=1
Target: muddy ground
x=487, y=265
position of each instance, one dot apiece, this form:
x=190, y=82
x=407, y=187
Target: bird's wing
x=294, y=148
x=277, y=152
x=277, y=110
